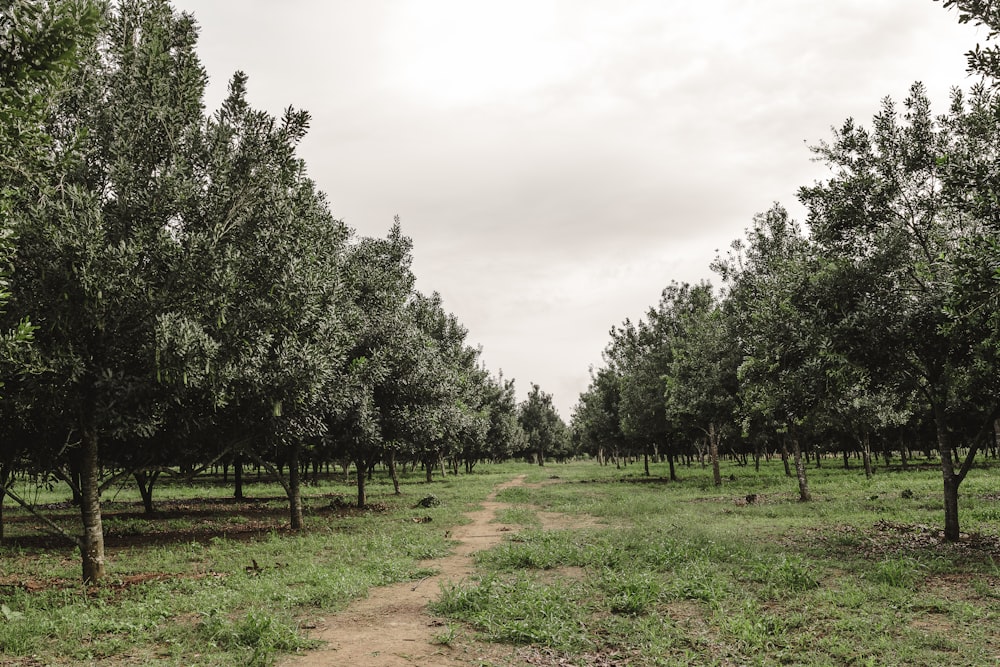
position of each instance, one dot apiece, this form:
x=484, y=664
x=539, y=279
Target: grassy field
x=684, y=573
x=207, y=581
x=642, y=572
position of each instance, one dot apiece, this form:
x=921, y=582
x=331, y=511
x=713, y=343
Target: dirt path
x=392, y=627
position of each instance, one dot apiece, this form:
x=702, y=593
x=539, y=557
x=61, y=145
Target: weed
x=898, y=571
x=447, y=636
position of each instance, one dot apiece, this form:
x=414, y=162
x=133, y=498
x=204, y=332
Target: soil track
x=392, y=627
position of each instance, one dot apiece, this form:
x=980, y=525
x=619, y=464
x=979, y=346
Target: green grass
x=687, y=573
x=663, y=573
x=206, y=581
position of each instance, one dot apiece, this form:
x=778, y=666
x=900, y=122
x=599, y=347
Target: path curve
x=392, y=626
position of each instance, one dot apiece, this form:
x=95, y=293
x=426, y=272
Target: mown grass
x=205, y=581
x=686, y=573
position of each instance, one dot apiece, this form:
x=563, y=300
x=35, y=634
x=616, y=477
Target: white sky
x=558, y=162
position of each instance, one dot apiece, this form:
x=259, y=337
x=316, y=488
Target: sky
x=557, y=163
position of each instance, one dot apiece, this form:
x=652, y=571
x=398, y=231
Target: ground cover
x=208, y=581
x=600, y=566
x=687, y=573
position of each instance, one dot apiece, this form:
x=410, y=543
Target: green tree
x=543, y=427
x=93, y=259
x=596, y=421
x=782, y=378
x=701, y=379
x=986, y=13
x=907, y=216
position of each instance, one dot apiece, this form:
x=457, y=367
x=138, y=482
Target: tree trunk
x=670, y=461
x=847, y=459
x=541, y=456
x=800, y=472
x=866, y=454
x=429, y=467
x=238, y=477
x=145, y=483
x=92, y=541
x=950, y=479
x=713, y=452
x=645, y=461
x=4, y=477
x=784, y=458
x=361, y=467
x=393, y=474
x=294, y=489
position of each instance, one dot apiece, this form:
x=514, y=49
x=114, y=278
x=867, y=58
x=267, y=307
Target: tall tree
x=701, y=379
x=907, y=216
x=542, y=425
x=769, y=296
x=93, y=263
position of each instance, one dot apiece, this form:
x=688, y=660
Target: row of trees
x=881, y=327
x=191, y=298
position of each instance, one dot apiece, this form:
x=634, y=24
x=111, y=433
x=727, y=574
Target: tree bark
x=145, y=482
x=238, y=477
x=4, y=477
x=713, y=452
x=800, y=472
x=784, y=459
x=92, y=540
x=866, y=454
x=673, y=471
x=294, y=489
x=393, y=473
x=362, y=468
x=949, y=478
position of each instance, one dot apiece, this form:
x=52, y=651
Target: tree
x=640, y=354
x=596, y=422
x=907, y=216
x=769, y=297
x=701, y=382
x=38, y=48
x=986, y=13
x=261, y=305
x=93, y=259
x=542, y=425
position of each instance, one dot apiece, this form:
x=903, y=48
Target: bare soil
x=392, y=627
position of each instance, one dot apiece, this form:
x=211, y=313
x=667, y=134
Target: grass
x=206, y=581
x=687, y=573
x=650, y=573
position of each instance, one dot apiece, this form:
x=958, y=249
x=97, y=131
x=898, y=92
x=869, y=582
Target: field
x=606, y=567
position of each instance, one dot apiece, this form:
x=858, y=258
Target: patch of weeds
x=783, y=573
x=897, y=571
x=446, y=636
x=985, y=588
x=630, y=592
x=536, y=549
x=698, y=580
x=257, y=636
x=520, y=611
x=753, y=628
x=518, y=516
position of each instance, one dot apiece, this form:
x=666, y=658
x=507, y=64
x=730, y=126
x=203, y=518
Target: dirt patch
x=392, y=627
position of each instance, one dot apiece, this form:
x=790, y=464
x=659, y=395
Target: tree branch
x=54, y=528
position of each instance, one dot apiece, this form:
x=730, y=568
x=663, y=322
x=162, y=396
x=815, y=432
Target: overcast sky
x=558, y=162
